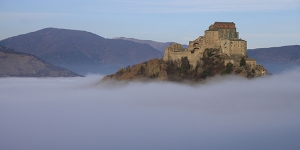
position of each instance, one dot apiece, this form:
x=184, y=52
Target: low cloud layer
x=81, y=113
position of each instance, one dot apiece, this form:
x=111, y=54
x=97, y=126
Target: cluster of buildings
x=221, y=36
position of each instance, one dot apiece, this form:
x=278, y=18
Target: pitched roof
x=224, y=23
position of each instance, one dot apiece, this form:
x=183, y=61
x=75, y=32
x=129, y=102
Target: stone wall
x=238, y=47
x=193, y=56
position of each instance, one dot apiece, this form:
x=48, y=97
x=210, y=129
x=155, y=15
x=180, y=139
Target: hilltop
x=220, y=51
x=159, y=69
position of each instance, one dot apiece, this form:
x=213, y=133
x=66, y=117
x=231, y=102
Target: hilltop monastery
x=221, y=36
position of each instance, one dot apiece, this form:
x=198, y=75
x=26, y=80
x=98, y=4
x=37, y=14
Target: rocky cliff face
x=152, y=69
x=208, y=66
x=15, y=64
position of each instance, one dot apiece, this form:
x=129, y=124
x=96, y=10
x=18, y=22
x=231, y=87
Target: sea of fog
x=225, y=113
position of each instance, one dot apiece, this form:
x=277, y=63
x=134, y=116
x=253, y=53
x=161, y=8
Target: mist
x=224, y=113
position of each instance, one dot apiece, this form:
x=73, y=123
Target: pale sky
x=263, y=23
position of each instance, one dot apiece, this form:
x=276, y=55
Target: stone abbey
x=221, y=37
x=219, y=52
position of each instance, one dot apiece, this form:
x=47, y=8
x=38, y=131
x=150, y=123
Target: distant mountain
x=290, y=54
x=277, y=59
x=161, y=46
x=16, y=64
x=81, y=51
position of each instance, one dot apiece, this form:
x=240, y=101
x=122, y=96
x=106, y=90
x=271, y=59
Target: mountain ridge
x=289, y=53
x=81, y=51
x=161, y=46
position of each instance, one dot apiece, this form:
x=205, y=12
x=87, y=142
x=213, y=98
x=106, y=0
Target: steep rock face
x=153, y=69
x=208, y=66
x=15, y=64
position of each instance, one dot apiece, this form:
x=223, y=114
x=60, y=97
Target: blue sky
x=263, y=23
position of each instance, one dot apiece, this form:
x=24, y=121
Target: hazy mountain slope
x=81, y=51
x=290, y=54
x=161, y=46
x=277, y=59
x=16, y=64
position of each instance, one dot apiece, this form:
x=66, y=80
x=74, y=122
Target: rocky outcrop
x=152, y=69
x=16, y=64
x=208, y=66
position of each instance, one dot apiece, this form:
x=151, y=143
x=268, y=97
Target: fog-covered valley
x=82, y=113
